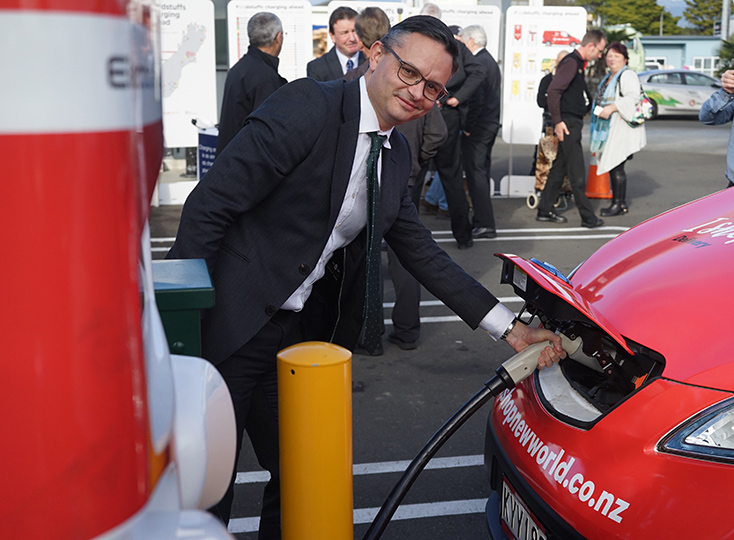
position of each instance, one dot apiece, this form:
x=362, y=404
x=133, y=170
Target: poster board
x=188, y=69
x=487, y=16
x=296, y=18
x=533, y=38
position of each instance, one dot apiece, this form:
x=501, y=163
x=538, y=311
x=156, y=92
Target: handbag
x=643, y=109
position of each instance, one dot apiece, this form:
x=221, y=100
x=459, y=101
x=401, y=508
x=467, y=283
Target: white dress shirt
x=343, y=60
x=352, y=217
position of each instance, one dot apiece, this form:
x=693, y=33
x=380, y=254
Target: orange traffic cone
x=597, y=186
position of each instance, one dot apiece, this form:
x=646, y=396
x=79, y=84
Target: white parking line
x=366, y=515
x=380, y=467
x=542, y=234
x=431, y=303
x=425, y=510
x=406, y=511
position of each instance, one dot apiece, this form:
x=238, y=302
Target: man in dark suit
x=344, y=56
x=253, y=78
x=280, y=220
x=455, y=108
x=480, y=130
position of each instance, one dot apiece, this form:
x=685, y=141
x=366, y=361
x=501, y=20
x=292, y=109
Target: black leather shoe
x=551, y=217
x=379, y=351
x=593, y=224
x=404, y=345
x=616, y=209
x=483, y=232
x=466, y=245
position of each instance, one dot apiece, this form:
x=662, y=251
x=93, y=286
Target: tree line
x=645, y=15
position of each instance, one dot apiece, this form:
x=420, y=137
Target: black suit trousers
x=448, y=166
x=569, y=161
x=252, y=379
x=476, y=152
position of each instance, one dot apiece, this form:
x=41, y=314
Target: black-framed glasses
x=411, y=76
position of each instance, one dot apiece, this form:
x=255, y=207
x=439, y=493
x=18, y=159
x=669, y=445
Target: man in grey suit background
x=479, y=132
x=281, y=216
x=344, y=56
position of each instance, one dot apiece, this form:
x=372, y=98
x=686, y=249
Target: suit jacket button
x=304, y=269
x=271, y=310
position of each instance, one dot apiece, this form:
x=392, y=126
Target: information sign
x=188, y=69
x=533, y=38
x=297, y=42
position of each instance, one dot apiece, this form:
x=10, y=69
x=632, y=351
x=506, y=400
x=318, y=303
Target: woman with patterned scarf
x=612, y=138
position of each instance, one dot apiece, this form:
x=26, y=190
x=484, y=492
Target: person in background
x=370, y=25
x=253, y=78
x=543, y=85
x=568, y=102
x=344, y=56
x=281, y=220
x=719, y=109
x=455, y=109
x=612, y=138
x=479, y=132
x=434, y=201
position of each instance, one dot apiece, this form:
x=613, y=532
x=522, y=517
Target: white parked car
x=677, y=91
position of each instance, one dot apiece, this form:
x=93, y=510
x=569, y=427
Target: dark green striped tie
x=373, y=299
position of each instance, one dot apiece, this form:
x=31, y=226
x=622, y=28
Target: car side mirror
x=716, y=85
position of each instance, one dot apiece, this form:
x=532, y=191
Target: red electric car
x=634, y=436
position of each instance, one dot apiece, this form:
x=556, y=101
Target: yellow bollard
x=315, y=417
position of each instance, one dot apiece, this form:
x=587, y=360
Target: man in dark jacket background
x=455, y=108
x=253, y=78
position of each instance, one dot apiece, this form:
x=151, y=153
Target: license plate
x=517, y=518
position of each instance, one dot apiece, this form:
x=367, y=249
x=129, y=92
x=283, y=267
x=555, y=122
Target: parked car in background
x=629, y=437
x=677, y=91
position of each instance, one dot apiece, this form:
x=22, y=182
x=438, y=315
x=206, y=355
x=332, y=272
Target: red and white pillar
x=81, y=144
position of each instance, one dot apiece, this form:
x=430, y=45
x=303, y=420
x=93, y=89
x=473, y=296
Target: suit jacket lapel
x=345, y=148
x=335, y=67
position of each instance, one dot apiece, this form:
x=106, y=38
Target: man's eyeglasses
x=411, y=76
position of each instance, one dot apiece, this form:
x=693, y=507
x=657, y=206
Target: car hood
x=666, y=284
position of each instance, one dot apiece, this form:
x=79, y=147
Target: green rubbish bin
x=182, y=289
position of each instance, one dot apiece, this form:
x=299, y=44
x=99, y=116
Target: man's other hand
x=561, y=130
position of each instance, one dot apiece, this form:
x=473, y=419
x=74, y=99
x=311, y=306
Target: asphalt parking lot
x=402, y=397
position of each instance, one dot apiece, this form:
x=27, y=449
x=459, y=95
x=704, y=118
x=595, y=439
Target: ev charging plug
x=522, y=365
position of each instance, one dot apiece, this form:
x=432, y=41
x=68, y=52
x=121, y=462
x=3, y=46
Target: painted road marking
x=613, y=233
x=382, y=467
x=406, y=511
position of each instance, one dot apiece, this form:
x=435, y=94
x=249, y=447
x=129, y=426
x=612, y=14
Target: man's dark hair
x=593, y=36
x=371, y=24
x=340, y=13
x=430, y=27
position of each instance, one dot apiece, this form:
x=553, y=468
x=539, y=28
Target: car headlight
x=709, y=435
